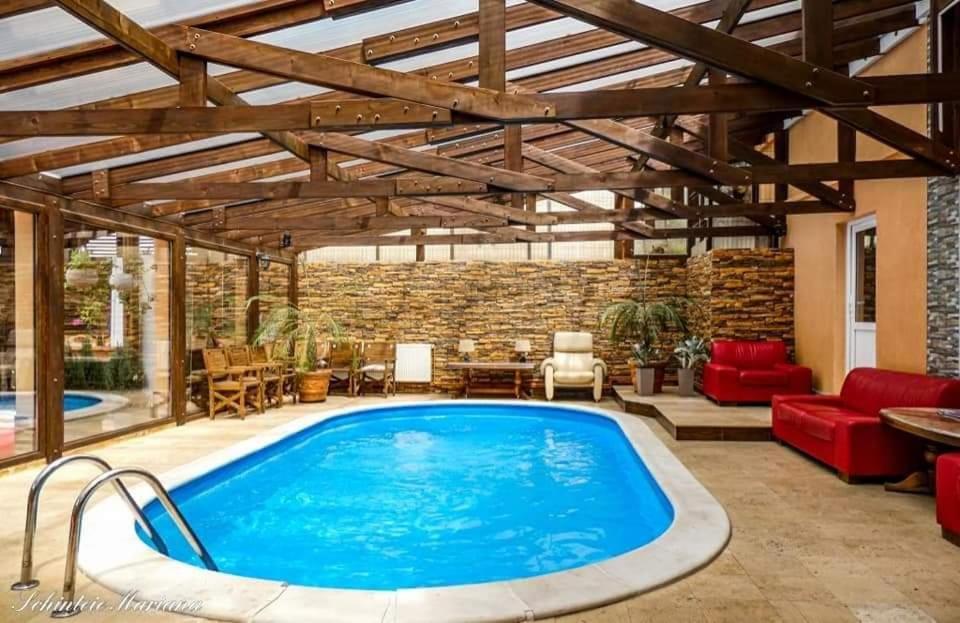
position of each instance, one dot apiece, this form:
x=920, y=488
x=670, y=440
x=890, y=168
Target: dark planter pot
x=646, y=381
x=314, y=386
x=685, y=379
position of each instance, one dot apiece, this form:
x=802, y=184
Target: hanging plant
x=81, y=270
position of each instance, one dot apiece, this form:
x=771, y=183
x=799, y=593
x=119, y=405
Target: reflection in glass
x=18, y=417
x=866, y=292
x=216, y=312
x=117, y=333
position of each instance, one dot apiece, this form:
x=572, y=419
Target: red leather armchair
x=846, y=432
x=948, y=496
x=740, y=371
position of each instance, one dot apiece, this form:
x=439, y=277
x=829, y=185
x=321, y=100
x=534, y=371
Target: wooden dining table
x=939, y=433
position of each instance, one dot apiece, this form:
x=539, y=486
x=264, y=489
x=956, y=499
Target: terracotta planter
x=314, y=385
x=685, y=378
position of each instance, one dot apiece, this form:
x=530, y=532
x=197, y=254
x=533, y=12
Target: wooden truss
x=674, y=146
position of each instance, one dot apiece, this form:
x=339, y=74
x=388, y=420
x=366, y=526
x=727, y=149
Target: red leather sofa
x=740, y=371
x=948, y=496
x=846, y=431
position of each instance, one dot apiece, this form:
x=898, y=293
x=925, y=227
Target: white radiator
x=414, y=363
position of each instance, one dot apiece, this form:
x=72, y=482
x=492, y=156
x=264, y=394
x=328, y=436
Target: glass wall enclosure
x=117, y=331
x=216, y=305
x=18, y=378
x=274, y=287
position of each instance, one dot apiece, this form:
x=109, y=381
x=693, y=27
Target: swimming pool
x=513, y=507
x=71, y=402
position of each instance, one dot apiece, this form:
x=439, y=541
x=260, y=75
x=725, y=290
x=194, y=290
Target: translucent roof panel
x=49, y=29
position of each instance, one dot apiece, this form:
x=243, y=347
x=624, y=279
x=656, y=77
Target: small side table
x=937, y=431
x=467, y=368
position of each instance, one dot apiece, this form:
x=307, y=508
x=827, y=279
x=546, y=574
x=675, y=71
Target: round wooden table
x=939, y=433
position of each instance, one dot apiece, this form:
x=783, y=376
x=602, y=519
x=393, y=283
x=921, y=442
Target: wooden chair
x=271, y=391
x=228, y=387
x=283, y=369
x=378, y=364
x=342, y=360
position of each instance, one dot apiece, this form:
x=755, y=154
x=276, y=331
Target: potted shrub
x=645, y=374
x=640, y=322
x=689, y=353
x=287, y=326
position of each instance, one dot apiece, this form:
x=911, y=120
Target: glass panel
x=274, y=287
x=216, y=312
x=18, y=417
x=117, y=330
x=866, y=249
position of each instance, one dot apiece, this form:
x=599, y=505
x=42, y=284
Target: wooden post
x=253, y=290
x=818, y=32
x=193, y=81
x=318, y=164
x=293, y=286
x=50, y=325
x=718, y=137
x=178, y=328
x=421, y=249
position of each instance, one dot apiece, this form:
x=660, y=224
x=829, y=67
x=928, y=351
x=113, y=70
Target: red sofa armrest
x=800, y=378
x=720, y=373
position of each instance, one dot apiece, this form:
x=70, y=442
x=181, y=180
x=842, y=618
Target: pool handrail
x=27, y=581
x=67, y=607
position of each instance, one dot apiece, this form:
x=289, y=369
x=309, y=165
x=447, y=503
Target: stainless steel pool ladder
x=68, y=608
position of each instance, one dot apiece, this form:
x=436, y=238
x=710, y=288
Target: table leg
x=922, y=481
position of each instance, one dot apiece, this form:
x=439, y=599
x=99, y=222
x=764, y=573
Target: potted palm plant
x=640, y=322
x=287, y=327
x=689, y=353
x=645, y=376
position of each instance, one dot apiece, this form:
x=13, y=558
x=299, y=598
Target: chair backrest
x=258, y=354
x=215, y=360
x=748, y=355
x=340, y=354
x=238, y=355
x=573, y=351
x=379, y=352
x=868, y=390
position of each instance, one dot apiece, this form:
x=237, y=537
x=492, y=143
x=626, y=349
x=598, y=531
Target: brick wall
x=743, y=294
x=496, y=303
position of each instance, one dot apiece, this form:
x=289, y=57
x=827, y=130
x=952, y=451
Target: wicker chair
x=271, y=384
x=378, y=363
x=229, y=387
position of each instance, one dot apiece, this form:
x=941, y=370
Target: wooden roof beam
x=693, y=41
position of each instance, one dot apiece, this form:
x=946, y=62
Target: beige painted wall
x=820, y=246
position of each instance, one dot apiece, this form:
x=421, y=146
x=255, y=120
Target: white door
x=862, y=293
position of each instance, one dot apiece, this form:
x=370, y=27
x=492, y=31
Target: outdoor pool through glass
x=425, y=495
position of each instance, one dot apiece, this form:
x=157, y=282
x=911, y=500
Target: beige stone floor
x=806, y=547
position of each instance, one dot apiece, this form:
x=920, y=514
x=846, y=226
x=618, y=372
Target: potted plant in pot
x=645, y=375
x=287, y=327
x=689, y=353
x=641, y=321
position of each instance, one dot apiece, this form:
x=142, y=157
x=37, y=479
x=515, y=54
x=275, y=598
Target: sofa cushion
x=869, y=390
x=765, y=378
x=817, y=420
x=757, y=355
x=573, y=376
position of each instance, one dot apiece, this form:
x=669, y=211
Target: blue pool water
x=71, y=402
x=426, y=495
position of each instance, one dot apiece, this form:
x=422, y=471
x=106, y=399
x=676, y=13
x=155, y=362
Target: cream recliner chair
x=573, y=364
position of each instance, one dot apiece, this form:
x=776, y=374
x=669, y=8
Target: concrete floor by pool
x=805, y=546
